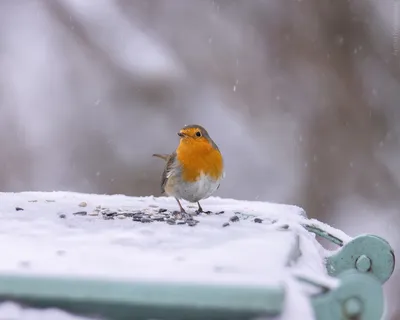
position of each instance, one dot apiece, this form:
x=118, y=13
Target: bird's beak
x=181, y=134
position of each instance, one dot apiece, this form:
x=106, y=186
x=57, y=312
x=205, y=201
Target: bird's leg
x=183, y=212
x=200, y=209
x=180, y=206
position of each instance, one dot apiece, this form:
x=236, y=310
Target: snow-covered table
x=132, y=258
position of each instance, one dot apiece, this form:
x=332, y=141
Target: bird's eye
x=198, y=134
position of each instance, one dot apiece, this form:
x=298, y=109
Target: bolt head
x=352, y=307
x=363, y=263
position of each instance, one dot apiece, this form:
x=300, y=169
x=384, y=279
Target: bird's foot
x=186, y=216
x=198, y=211
x=182, y=215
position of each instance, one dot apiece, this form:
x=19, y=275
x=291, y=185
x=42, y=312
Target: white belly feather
x=202, y=188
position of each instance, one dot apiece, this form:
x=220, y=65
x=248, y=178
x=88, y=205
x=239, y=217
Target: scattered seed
x=32, y=201
x=80, y=213
x=62, y=216
x=19, y=209
x=111, y=214
x=192, y=223
x=171, y=221
x=127, y=214
x=221, y=212
x=135, y=213
x=83, y=204
x=234, y=219
x=146, y=216
x=226, y=224
x=258, y=220
x=158, y=218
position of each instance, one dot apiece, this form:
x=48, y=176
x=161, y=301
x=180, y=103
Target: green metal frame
x=143, y=300
x=362, y=266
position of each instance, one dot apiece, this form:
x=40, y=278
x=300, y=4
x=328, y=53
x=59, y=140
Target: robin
x=194, y=171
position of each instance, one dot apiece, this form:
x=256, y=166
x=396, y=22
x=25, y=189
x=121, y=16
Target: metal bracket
x=362, y=264
x=323, y=234
x=366, y=254
x=359, y=296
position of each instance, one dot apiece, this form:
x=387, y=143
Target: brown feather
x=170, y=162
x=162, y=156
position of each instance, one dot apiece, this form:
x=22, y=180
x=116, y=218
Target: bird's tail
x=162, y=156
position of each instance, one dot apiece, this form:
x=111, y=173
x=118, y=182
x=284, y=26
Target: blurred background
x=302, y=97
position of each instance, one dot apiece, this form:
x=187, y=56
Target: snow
x=36, y=241
x=12, y=311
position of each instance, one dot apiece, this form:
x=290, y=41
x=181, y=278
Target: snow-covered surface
x=37, y=241
x=12, y=311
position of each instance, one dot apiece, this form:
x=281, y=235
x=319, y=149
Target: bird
x=194, y=171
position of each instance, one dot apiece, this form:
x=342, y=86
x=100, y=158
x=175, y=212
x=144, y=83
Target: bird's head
x=195, y=134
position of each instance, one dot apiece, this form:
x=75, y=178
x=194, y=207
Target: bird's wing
x=169, y=167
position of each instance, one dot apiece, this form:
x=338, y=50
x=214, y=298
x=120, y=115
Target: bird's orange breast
x=197, y=157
